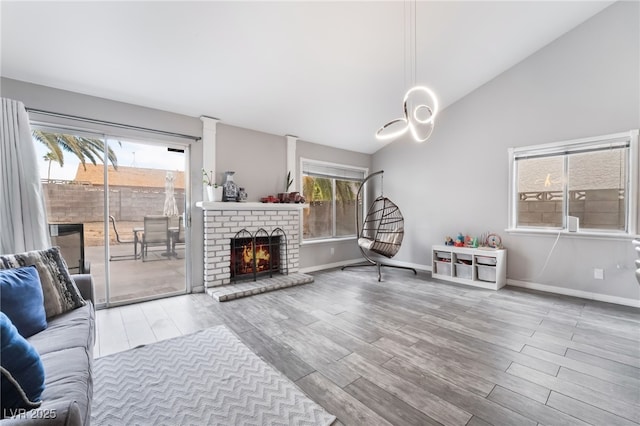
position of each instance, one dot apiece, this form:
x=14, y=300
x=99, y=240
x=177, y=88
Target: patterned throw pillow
x=59, y=291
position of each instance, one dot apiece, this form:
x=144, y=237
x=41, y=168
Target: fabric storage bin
x=443, y=255
x=486, y=260
x=486, y=273
x=463, y=271
x=443, y=268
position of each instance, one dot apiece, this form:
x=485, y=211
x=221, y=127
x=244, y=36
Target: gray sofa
x=66, y=350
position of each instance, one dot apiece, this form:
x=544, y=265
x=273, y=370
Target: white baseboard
x=576, y=293
x=197, y=289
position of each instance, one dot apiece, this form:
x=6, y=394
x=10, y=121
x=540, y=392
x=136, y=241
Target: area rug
x=206, y=378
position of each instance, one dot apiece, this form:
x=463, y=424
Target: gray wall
x=259, y=159
x=584, y=84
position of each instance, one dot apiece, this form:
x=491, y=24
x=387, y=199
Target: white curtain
x=23, y=215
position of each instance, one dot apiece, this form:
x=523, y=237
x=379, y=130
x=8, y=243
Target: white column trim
x=291, y=162
x=209, y=128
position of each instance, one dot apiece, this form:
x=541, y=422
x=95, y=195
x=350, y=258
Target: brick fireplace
x=224, y=220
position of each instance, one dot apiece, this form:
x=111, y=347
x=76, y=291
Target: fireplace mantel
x=219, y=205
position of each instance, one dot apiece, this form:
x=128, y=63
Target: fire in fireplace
x=257, y=255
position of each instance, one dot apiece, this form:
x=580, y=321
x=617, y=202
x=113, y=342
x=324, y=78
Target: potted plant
x=283, y=197
x=214, y=191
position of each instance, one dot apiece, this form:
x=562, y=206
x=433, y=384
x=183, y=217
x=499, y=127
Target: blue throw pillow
x=21, y=299
x=59, y=291
x=22, y=371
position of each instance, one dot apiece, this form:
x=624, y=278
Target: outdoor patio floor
x=133, y=279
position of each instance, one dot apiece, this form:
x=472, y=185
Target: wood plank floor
x=412, y=351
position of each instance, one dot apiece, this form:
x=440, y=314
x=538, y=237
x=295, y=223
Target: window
x=594, y=180
x=330, y=190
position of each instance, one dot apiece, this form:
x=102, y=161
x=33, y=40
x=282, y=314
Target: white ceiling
x=327, y=72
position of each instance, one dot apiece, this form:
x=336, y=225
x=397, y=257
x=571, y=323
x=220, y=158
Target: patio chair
x=121, y=241
x=155, y=234
x=177, y=237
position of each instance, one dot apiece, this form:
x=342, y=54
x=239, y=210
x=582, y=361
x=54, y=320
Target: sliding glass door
x=130, y=211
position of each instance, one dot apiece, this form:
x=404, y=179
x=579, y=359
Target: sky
x=130, y=154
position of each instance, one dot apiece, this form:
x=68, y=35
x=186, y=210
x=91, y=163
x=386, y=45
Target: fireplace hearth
x=223, y=220
x=258, y=255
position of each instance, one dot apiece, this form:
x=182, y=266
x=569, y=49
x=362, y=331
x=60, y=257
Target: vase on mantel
x=230, y=191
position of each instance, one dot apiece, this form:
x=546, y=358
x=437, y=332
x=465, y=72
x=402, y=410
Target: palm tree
x=84, y=148
x=50, y=156
x=321, y=189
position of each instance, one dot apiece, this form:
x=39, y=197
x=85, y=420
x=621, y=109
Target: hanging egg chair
x=383, y=228
x=381, y=232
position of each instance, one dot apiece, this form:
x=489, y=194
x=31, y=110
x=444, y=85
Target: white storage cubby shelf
x=478, y=267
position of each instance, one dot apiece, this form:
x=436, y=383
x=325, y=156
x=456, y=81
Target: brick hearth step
x=249, y=288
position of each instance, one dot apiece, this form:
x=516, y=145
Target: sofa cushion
x=68, y=378
x=21, y=299
x=73, y=329
x=23, y=374
x=59, y=291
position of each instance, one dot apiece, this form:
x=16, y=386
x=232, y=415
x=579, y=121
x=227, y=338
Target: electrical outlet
x=333, y=250
x=598, y=274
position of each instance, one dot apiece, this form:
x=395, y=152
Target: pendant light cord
x=405, y=53
x=415, y=43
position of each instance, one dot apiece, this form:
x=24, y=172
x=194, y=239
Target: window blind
x=578, y=148
x=332, y=171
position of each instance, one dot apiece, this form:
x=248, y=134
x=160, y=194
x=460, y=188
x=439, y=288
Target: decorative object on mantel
x=289, y=181
x=269, y=199
x=284, y=197
x=295, y=197
x=242, y=195
x=231, y=189
x=214, y=191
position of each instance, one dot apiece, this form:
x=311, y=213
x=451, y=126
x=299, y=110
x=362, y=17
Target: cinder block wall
x=596, y=209
x=85, y=203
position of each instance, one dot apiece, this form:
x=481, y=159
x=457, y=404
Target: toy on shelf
x=493, y=241
x=471, y=241
x=459, y=242
x=448, y=241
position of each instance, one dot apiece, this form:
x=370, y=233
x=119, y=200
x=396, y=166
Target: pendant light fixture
x=420, y=103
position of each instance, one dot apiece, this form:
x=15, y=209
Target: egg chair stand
x=381, y=232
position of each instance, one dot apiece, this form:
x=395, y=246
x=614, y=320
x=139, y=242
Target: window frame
x=561, y=149
x=337, y=166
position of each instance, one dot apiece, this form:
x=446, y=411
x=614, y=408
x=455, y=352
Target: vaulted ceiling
x=328, y=72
